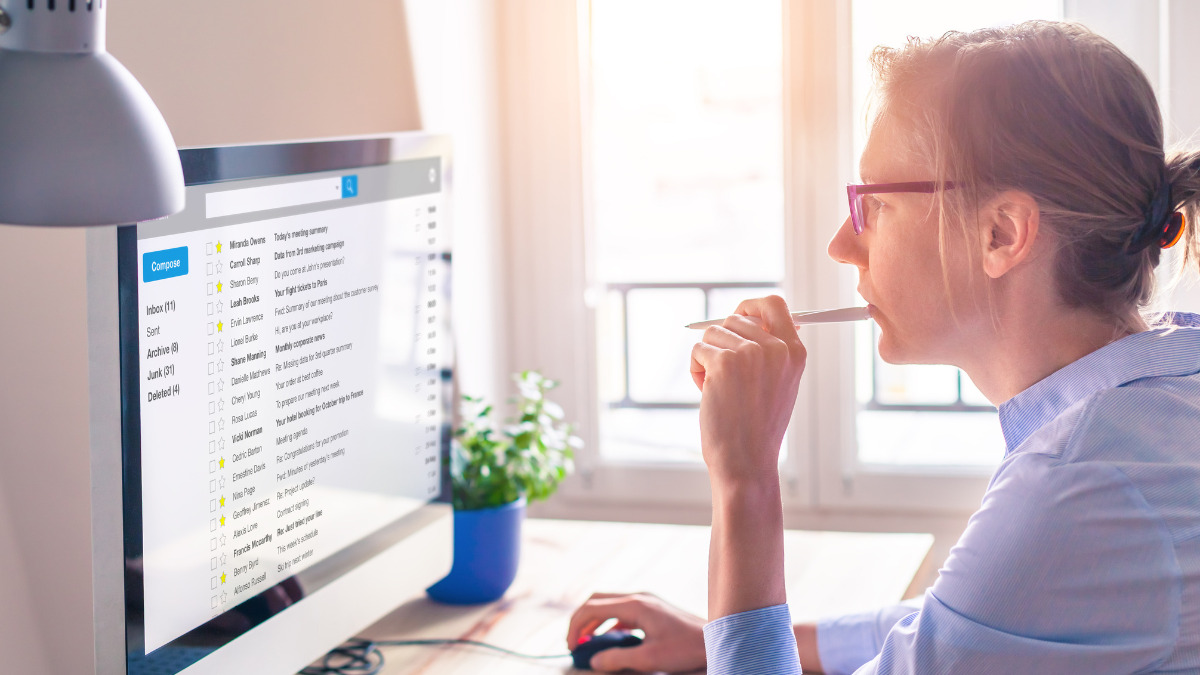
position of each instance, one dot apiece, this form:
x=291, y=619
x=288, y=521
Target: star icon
x=222, y=540
x=221, y=385
x=218, y=287
x=221, y=445
x=218, y=247
x=220, y=366
x=220, y=306
x=220, y=326
x=222, y=487
x=222, y=577
x=224, y=558
x=221, y=465
x=222, y=521
x=220, y=266
x=221, y=425
x=224, y=598
x=222, y=501
x=220, y=346
x=221, y=405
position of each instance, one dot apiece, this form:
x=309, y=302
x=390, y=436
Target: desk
x=563, y=562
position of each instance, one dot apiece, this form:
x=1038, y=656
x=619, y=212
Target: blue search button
x=349, y=186
x=164, y=264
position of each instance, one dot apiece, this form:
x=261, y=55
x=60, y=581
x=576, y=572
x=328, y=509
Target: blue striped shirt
x=758, y=642
x=1084, y=556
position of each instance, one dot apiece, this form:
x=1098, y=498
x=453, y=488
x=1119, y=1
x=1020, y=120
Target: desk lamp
x=81, y=143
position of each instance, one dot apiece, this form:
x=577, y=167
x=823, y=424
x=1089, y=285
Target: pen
x=811, y=316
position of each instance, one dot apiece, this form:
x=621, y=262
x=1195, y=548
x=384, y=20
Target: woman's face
x=899, y=270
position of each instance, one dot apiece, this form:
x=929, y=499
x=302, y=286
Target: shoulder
x=1062, y=545
x=1151, y=420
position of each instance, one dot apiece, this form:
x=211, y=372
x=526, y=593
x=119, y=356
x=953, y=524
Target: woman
x=1027, y=202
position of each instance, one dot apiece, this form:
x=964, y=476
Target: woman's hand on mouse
x=674, y=638
x=748, y=370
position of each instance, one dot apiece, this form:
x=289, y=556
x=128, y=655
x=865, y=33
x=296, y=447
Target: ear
x=1008, y=228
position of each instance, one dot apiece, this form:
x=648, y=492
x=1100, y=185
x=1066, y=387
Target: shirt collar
x=1172, y=350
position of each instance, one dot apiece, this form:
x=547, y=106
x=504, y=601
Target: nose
x=847, y=247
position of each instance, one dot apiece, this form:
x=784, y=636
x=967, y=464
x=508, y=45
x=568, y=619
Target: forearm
x=806, y=646
x=746, y=552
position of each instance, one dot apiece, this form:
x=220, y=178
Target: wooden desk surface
x=563, y=562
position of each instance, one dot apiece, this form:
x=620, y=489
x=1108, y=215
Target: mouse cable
x=361, y=656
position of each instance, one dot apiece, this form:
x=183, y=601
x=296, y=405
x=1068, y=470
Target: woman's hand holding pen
x=748, y=369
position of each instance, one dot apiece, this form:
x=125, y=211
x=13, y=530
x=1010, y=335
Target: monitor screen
x=284, y=369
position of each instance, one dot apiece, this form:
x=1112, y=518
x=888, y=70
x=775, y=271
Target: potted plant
x=494, y=472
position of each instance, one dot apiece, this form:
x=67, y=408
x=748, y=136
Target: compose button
x=164, y=264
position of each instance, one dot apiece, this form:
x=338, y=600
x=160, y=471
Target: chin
x=898, y=353
x=906, y=348
x=890, y=352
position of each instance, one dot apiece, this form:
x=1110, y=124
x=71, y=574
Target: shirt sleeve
x=845, y=643
x=758, y=642
x=1065, y=569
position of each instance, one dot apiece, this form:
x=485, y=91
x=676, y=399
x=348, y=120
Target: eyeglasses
x=862, y=212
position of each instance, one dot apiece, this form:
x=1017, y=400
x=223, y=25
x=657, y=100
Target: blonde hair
x=1053, y=110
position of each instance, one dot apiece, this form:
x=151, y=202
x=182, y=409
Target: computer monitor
x=285, y=369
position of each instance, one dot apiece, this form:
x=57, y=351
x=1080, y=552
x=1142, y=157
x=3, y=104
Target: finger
x=703, y=356
x=626, y=658
x=583, y=622
x=774, y=314
x=586, y=630
x=726, y=338
x=587, y=618
x=746, y=328
x=590, y=615
x=580, y=618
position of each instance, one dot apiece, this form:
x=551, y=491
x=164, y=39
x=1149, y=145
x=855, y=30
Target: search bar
x=267, y=197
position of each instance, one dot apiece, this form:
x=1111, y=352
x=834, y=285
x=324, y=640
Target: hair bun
x=1158, y=223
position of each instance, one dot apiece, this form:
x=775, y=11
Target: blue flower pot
x=487, y=549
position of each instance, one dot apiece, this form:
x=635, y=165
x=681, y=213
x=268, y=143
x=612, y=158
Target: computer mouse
x=588, y=646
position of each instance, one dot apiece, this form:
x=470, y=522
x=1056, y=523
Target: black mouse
x=583, y=652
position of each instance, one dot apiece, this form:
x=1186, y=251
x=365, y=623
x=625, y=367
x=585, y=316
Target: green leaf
x=492, y=465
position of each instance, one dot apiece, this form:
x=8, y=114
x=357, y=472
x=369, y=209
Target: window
x=685, y=135
x=682, y=155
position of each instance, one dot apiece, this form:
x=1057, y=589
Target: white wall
x=44, y=461
x=15, y=621
x=232, y=71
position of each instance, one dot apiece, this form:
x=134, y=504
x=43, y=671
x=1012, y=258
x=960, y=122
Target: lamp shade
x=81, y=142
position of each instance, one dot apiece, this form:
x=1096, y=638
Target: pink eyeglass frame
x=855, y=193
